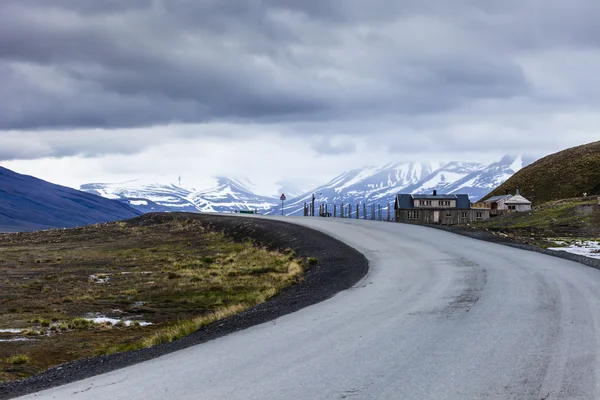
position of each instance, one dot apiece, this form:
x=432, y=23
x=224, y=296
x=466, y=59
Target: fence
x=373, y=212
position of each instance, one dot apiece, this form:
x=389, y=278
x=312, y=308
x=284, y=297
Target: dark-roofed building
x=444, y=209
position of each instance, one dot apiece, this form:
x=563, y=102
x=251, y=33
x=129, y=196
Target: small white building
x=517, y=203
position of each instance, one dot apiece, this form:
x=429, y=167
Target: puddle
x=113, y=321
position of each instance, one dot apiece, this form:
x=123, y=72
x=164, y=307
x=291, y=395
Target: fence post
x=334, y=211
x=357, y=212
x=342, y=211
x=388, y=212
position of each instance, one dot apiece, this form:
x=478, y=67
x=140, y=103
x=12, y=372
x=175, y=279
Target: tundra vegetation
x=151, y=283
x=559, y=223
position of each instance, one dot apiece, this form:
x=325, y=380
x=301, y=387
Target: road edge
x=340, y=267
x=480, y=234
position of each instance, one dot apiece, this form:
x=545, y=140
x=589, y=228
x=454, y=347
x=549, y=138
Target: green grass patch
x=18, y=359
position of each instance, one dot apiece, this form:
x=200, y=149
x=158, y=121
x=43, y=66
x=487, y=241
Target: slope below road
x=439, y=316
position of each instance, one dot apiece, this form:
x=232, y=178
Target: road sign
x=282, y=198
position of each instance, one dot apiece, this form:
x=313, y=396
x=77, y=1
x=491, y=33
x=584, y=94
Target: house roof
x=436, y=197
x=498, y=198
x=517, y=199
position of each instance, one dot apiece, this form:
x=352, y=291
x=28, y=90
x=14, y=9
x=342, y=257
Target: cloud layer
x=348, y=78
x=89, y=64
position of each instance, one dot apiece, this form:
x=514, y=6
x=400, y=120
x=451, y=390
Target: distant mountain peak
x=369, y=184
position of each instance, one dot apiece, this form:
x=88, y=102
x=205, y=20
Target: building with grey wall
x=442, y=209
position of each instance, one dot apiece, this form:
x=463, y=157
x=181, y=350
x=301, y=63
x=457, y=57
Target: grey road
x=439, y=316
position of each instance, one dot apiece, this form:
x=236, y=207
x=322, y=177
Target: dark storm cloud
x=68, y=64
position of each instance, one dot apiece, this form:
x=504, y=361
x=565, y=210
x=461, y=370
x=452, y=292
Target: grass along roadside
x=75, y=293
x=571, y=225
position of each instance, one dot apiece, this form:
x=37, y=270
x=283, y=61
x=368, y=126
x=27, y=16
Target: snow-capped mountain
x=147, y=196
x=229, y=195
x=380, y=184
x=370, y=185
x=481, y=182
x=367, y=184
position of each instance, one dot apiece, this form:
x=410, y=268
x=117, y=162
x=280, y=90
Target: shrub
x=18, y=359
x=312, y=261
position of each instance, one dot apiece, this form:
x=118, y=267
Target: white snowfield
x=439, y=316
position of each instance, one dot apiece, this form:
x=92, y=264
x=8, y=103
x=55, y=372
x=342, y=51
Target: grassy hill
x=566, y=174
x=571, y=217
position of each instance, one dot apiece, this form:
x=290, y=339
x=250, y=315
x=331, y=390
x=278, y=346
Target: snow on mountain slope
x=381, y=184
x=479, y=183
x=373, y=184
x=364, y=184
x=230, y=195
x=444, y=177
x=146, y=196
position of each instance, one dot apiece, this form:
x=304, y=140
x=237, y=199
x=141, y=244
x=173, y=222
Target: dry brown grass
x=177, y=275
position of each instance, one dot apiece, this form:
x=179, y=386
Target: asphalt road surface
x=439, y=316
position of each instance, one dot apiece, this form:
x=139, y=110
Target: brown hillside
x=568, y=173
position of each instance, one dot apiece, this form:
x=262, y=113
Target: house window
x=425, y=202
x=463, y=215
x=448, y=214
x=479, y=215
x=413, y=215
x=512, y=207
x=444, y=203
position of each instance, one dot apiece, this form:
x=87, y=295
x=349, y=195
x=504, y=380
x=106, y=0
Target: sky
x=289, y=92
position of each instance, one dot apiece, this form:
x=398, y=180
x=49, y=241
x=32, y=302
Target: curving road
x=439, y=316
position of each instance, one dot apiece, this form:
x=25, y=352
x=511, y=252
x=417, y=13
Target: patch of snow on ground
x=138, y=203
x=586, y=248
x=100, y=279
x=15, y=339
x=103, y=319
x=11, y=330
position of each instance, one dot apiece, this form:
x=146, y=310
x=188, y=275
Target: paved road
x=439, y=316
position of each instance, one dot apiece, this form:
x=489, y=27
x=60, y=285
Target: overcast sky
x=289, y=90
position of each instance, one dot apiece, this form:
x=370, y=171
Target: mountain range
x=228, y=195
x=28, y=203
x=374, y=184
